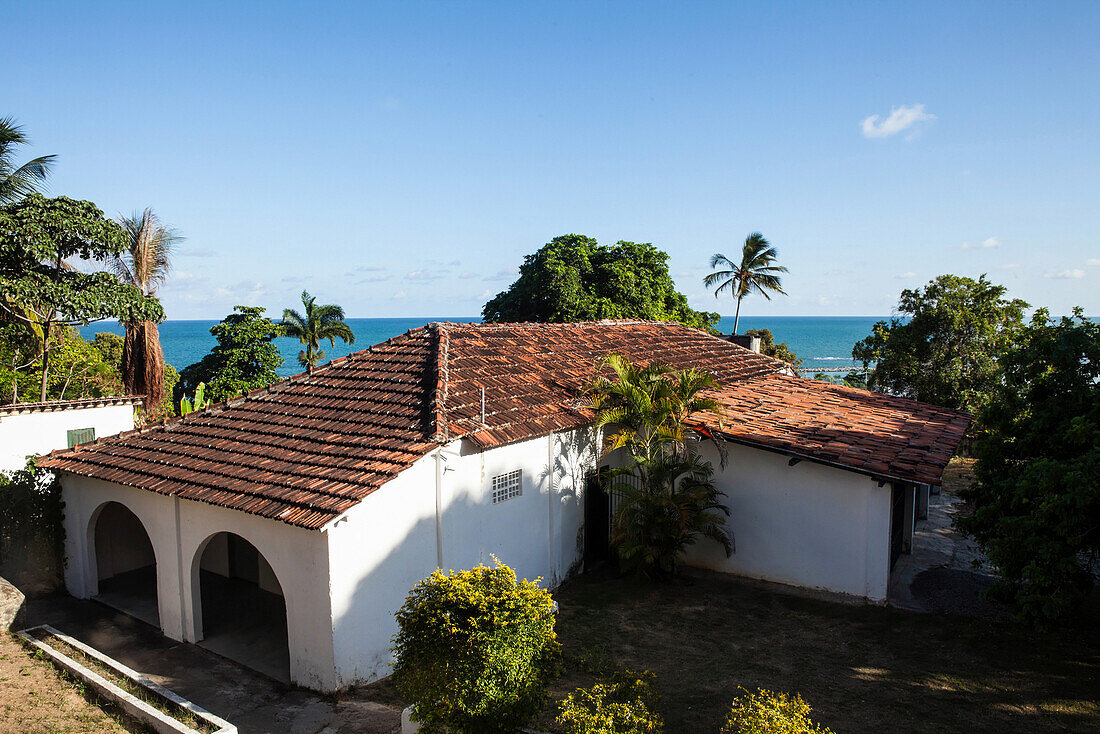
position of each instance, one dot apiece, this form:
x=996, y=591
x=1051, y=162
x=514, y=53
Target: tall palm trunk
x=143, y=363
x=737, y=316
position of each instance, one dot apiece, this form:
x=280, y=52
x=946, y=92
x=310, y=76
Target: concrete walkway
x=254, y=702
x=945, y=572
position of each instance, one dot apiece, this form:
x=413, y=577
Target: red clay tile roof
x=308, y=448
x=880, y=435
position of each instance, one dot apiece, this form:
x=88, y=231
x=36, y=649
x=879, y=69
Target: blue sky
x=401, y=158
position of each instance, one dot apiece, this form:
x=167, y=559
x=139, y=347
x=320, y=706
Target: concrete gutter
x=132, y=705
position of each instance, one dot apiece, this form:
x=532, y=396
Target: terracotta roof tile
x=308, y=448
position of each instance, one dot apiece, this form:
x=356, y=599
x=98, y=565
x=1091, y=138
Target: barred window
x=507, y=486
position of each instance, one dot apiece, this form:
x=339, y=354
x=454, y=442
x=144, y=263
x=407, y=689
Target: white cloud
x=906, y=275
x=1093, y=261
x=901, y=118
x=370, y=268
x=1071, y=274
x=246, y=292
x=421, y=275
x=373, y=279
x=988, y=243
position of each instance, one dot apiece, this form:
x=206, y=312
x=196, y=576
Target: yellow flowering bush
x=475, y=650
x=765, y=712
x=622, y=705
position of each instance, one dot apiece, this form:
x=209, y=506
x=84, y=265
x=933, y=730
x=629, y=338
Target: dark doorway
x=126, y=567
x=597, y=521
x=897, y=522
x=243, y=610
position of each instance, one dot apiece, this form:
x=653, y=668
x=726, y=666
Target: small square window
x=80, y=435
x=507, y=486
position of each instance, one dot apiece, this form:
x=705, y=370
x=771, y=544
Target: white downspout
x=439, y=508
x=553, y=574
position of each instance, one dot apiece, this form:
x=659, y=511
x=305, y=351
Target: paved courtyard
x=945, y=572
x=252, y=701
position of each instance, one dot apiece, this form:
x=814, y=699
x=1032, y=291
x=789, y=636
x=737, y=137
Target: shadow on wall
x=381, y=592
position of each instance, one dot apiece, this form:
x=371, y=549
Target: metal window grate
x=507, y=486
x=80, y=435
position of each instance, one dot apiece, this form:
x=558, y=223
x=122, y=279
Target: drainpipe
x=439, y=509
x=552, y=576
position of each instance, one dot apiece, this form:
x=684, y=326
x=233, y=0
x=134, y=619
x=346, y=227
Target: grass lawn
x=861, y=668
x=35, y=698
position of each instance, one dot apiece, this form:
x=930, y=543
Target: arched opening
x=242, y=606
x=126, y=567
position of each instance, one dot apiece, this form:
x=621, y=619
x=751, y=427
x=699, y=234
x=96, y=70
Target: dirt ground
x=35, y=698
x=861, y=668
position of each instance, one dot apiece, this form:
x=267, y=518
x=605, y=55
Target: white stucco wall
x=40, y=432
x=388, y=542
x=806, y=525
x=179, y=531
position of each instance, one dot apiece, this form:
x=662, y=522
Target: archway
x=242, y=608
x=126, y=567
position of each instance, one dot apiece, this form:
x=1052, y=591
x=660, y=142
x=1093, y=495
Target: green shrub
x=623, y=705
x=475, y=650
x=765, y=712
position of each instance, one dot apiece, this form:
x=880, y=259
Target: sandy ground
x=34, y=698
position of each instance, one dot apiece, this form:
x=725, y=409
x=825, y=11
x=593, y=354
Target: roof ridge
x=441, y=368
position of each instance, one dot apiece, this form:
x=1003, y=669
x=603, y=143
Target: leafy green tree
x=315, y=325
x=668, y=497
x=945, y=347
x=1035, y=507
x=244, y=359
x=145, y=264
x=852, y=379
x=771, y=348
x=79, y=368
x=755, y=273
x=572, y=278
x=38, y=287
x=16, y=181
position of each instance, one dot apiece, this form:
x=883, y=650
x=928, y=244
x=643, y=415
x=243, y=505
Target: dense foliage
x=314, y=326
x=32, y=537
x=765, y=712
x=244, y=359
x=475, y=650
x=755, y=272
x=572, y=278
x=1035, y=507
x=625, y=704
x=38, y=287
x=771, y=348
x=944, y=349
x=668, y=499
x=80, y=369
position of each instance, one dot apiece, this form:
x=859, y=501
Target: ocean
x=823, y=342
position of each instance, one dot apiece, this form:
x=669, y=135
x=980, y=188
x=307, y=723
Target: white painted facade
x=806, y=525
x=39, y=428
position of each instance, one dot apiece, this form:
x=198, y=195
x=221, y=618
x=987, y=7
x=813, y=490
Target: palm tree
x=144, y=264
x=17, y=182
x=318, y=323
x=667, y=497
x=755, y=273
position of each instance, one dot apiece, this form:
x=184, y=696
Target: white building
x=286, y=527
x=33, y=429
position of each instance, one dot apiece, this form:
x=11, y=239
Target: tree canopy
x=944, y=346
x=755, y=273
x=1036, y=503
x=38, y=286
x=244, y=359
x=771, y=348
x=573, y=278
